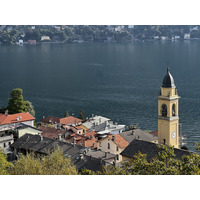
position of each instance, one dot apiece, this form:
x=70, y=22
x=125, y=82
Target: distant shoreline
x=111, y=42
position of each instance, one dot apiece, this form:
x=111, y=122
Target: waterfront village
x=34, y=34
x=97, y=141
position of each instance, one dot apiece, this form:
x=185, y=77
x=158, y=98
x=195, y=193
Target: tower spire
x=167, y=66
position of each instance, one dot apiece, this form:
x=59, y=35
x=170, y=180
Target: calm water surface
x=120, y=81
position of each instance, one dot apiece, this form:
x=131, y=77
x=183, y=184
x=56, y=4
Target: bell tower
x=168, y=118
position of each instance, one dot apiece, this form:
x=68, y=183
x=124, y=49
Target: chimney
x=43, y=117
x=6, y=112
x=113, y=137
x=74, y=143
x=106, y=154
x=59, y=137
x=17, y=118
x=41, y=137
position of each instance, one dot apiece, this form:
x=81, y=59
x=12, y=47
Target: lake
x=120, y=81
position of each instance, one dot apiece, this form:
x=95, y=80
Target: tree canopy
x=4, y=164
x=16, y=103
x=30, y=108
x=81, y=115
x=53, y=164
x=164, y=163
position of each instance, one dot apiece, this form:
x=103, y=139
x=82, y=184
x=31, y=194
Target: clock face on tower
x=173, y=134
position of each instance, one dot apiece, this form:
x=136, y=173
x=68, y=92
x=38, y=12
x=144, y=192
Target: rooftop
x=117, y=139
x=70, y=120
x=139, y=134
x=15, y=118
x=51, y=132
x=93, y=161
x=94, y=121
x=168, y=81
x=148, y=148
x=51, y=120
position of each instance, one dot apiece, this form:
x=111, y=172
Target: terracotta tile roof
x=70, y=120
x=91, y=143
x=51, y=119
x=82, y=140
x=51, y=132
x=15, y=118
x=154, y=133
x=89, y=133
x=119, y=140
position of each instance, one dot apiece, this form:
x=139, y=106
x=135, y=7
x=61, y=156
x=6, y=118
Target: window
x=117, y=156
x=108, y=145
x=99, y=144
x=173, y=110
x=4, y=145
x=164, y=110
x=9, y=143
x=117, y=148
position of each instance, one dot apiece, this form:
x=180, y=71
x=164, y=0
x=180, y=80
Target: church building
x=168, y=117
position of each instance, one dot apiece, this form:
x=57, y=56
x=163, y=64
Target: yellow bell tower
x=168, y=118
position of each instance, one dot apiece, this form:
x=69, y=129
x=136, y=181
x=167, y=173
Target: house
x=31, y=42
x=51, y=121
x=44, y=37
x=108, y=128
x=6, y=139
x=139, y=134
x=87, y=139
x=119, y=28
x=80, y=157
x=103, y=126
x=94, y=121
x=20, y=42
x=156, y=37
x=21, y=129
x=186, y=36
x=114, y=144
x=148, y=148
x=163, y=37
x=131, y=26
x=176, y=37
x=51, y=132
x=7, y=120
x=66, y=122
x=82, y=127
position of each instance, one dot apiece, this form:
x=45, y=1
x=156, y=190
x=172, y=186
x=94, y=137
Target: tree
x=53, y=164
x=4, y=164
x=30, y=108
x=66, y=114
x=16, y=103
x=197, y=146
x=81, y=115
x=164, y=163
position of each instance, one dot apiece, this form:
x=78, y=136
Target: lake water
x=120, y=81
